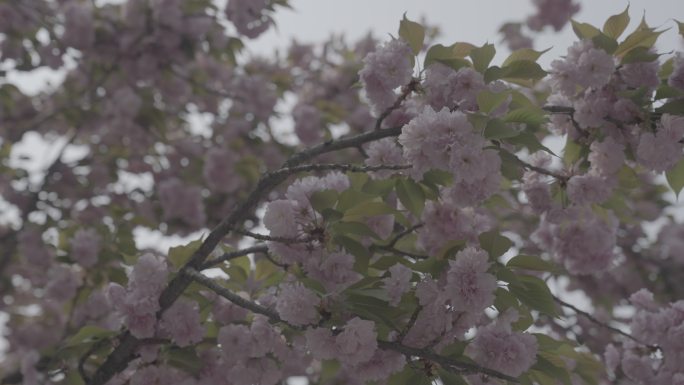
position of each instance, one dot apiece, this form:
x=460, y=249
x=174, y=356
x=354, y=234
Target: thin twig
x=269, y=238
x=404, y=233
x=341, y=167
x=411, y=322
x=603, y=325
x=232, y=297
x=235, y=254
x=406, y=91
x=447, y=363
x=540, y=170
x=397, y=251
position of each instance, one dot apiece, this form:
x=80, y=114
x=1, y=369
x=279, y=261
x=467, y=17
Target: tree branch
x=235, y=254
x=264, y=237
x=405, y=92
x=342, y=167
x=232, y=297
x=119, y=358
x=601, y=324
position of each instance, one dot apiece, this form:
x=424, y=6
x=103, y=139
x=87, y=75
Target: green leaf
x=666, y=68
x=546, y=343
x=409, y=376
x=413, y=33
x=185, y=358
x=179, y=255
x=323, y=199
x=503, y=299
x=449, y=378
x=666, y=92
x=525, y=320
x=494, y=243
x=616, y=24
x=510, y=167
x=450, y=249
x=545, y=366
x=530, y=116
x=571, y=152
x=638, y=55
x=524, y=54
x=674, y=107
x=529, y=141
x=584, y=30
x=73, y=378
x=482, y=56
x=675, y=177
x=496, y=129
x=445, y=55
x=505, y=274
x=523, y=69
x=331, y=215
x=438, y=177
x=534, y=293
x=604, y=42
x=368, y=209
x=379, y=187
x=680, y=25
x=488, y=100
x=236, y=273
x=410, y=195
x=351, y=198
x=353, y=228
x=639, y=38
x=530, y=262
x=355, y=248
x=461, y=49
x=88, y=334
x=432, y=266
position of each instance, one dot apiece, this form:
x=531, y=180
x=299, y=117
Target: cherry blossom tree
x=383, y=211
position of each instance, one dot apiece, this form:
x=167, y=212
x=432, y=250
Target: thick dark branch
x=235, y=254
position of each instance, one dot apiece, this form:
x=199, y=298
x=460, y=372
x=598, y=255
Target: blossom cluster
x=451, y=306
x=654, y=327
x=295, y=219
x=138, y=303
x=446, y=140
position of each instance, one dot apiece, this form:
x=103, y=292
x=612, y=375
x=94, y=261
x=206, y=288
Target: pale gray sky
x=471, y=21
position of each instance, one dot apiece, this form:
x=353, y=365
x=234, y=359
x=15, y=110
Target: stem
x=406, y=91
x=603, y=325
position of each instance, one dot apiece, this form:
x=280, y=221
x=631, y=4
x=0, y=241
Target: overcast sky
x=471, y=21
